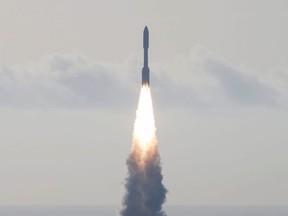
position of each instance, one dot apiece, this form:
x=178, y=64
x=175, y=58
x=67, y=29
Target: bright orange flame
x=144, y=134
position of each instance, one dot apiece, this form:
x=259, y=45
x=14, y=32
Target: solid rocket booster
x=145, y=70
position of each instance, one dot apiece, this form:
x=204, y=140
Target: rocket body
x=145, y=69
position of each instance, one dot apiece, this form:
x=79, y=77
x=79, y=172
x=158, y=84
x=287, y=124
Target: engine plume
x=145, y=192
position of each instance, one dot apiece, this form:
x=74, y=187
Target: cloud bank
x=67, y=80
x=199, y=80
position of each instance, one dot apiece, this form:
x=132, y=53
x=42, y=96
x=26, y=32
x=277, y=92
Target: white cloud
x=63, y=81
x=199, y=80
x=204, y=80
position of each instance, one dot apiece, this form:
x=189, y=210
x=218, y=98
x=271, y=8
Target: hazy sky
x=70, y=81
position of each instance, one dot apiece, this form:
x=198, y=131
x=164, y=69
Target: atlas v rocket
x=145, y=70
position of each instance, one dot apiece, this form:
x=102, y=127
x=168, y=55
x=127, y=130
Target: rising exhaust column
x=145, y=70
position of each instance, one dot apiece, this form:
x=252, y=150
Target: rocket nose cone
x=146, y=38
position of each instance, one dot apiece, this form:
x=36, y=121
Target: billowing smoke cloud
x=145, y=190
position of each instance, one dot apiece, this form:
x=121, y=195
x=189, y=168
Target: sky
x=70, y=75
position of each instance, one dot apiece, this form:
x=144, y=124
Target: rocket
x=145, y=69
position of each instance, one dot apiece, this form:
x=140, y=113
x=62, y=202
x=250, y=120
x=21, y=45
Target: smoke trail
x=145, y=192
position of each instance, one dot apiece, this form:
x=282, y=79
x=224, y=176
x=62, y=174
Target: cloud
x=200, y=80
x=64, y=81
x=238, y=87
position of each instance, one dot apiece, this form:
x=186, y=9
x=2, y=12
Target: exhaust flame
x=145, y=191
x=144, y=133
